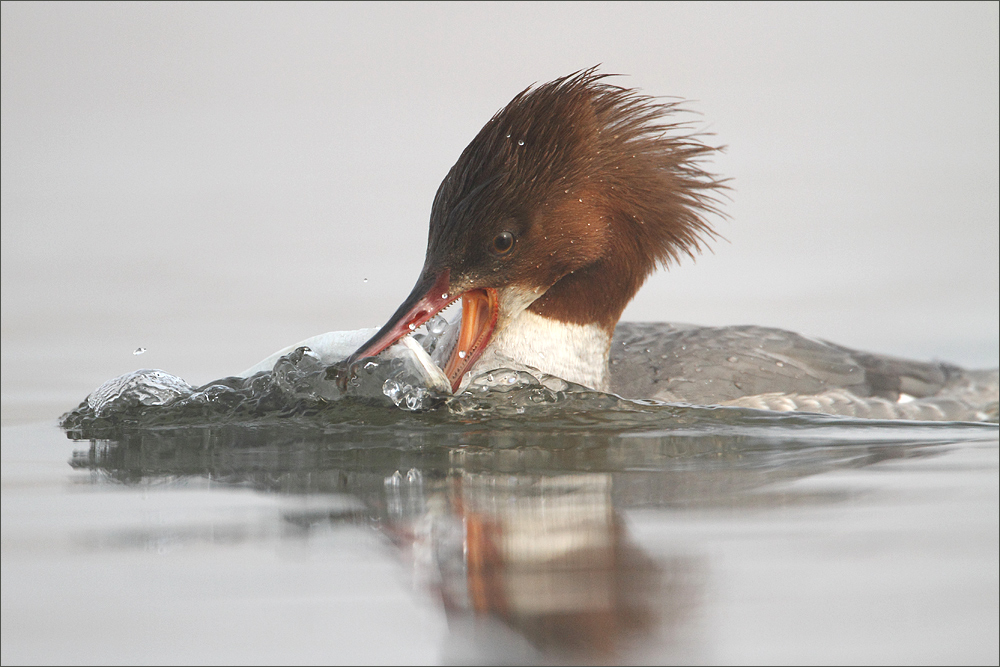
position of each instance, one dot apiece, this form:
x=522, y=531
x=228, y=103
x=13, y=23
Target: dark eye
x=503, y=243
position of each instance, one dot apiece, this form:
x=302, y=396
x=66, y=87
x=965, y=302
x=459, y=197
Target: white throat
x=574, y=352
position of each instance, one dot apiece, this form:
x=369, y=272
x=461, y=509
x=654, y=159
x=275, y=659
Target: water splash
x=138, y=389
x=305, y=386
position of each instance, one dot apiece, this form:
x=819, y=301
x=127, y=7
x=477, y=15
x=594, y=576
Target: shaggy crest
x=594, y=176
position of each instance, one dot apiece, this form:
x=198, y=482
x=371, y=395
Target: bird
x=550, y=222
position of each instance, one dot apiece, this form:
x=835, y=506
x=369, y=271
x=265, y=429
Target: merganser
x=550, y=222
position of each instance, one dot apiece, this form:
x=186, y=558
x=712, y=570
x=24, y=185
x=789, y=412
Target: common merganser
x=550, y=222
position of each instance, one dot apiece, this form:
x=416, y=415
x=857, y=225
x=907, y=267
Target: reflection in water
x=520, y=534
x=548, y=556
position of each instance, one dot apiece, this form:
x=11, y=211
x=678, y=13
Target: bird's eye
x=503, y=243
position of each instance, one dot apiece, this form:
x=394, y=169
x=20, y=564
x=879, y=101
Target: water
x=299, y=517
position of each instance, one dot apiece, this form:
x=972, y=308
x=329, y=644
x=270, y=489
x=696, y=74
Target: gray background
x=213, y=182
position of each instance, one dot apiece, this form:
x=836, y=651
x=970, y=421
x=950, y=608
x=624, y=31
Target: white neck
x=574, y=352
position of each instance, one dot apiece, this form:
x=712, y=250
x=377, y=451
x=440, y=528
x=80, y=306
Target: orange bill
x=480, y=308
x=479, y=318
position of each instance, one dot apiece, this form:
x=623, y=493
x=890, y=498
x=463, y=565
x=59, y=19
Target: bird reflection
x=525, y=547
x=548, y=556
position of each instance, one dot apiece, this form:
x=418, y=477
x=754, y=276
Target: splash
x=309, y=383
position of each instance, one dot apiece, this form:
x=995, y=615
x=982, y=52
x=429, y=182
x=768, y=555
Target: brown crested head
x=578, y=189
x=566, y=200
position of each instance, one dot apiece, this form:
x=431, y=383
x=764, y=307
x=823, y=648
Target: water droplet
x=780, y=365
x=520, y=142
x=412, y=326
x=365, y=279
x=508, y=135
x=444, y=296
x=437, y=325
x=371, y=366
x=139, y=350
x=461, y=354
x=392, y=389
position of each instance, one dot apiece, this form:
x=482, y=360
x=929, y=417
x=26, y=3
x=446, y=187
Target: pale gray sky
x=216, y=181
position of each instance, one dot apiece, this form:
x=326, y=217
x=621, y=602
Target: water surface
x=524, y=526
